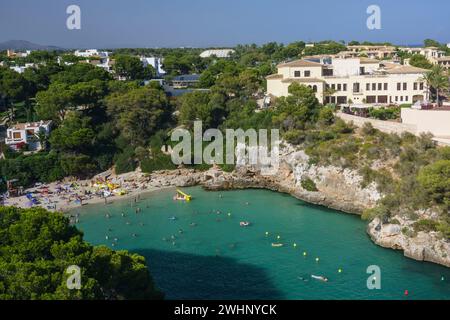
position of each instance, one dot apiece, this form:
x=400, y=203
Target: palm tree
x=438, y=80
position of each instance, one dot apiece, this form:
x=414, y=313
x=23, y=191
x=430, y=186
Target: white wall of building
x=436, y=122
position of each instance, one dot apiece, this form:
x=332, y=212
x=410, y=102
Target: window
x=382, y=99
x=421, y=86
x=396, y=98
x=339, y=87
x=401, y=98
x=380, y=86
x=385, y=86
x=341, y=100
x=297, y=74
x=345, y=87
x=368, y=86
x=415, y=85
x=371, y=99
x=333, y=86
x=399, y=86
x=307, y=73
x=314, y=88
x=17, y=135
x=405, y=86
x=374, y=86
x=406, y=98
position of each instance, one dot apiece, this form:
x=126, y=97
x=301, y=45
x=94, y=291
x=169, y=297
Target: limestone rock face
x=425, y=246
x=337, y=188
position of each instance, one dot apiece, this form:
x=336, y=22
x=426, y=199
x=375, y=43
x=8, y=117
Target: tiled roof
x=363, y=60
x=275, y=76
x=299, y=63
x=303, y=80
x=406, y=70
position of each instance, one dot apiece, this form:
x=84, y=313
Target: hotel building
x=351, y=80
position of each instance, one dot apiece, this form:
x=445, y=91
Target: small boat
x=321, y=278
x=244, y=223
x=173, y=218
x=277, y=244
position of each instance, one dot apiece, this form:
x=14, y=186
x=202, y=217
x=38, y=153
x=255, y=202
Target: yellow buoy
x=295, y=245
x=267, y=233
x=317, y=259
x=340, y=270
x=304, y=253
x=229, y=214
x=278, y=237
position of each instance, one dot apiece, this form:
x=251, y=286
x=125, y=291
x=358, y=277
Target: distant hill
x=25, y=45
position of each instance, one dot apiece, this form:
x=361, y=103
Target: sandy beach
x=69, y=194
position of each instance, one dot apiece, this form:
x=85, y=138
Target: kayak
x=277, y=244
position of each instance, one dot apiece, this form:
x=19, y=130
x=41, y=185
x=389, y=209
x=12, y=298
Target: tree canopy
x=37, y=248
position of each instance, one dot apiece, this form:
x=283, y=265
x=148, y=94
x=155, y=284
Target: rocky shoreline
x=337, y=188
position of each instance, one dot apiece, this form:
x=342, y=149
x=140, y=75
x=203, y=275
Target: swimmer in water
x=303, y=279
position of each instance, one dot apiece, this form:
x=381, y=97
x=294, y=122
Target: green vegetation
x=437, y=81
x=37, y=248
x=308, y=185
x=385, y=113
x=419, y=61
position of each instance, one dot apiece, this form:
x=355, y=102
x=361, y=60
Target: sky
x=220, y=23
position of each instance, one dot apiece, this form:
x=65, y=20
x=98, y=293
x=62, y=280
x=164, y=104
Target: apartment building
x=373, y=52
x=351, y=80
x=444, y=62
x=430, y=52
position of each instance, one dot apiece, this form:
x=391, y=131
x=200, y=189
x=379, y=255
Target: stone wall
x=384, y=126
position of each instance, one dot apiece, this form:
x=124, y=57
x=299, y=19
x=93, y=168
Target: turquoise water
x=218, y=259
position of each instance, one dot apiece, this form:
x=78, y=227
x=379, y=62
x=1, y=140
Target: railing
x=14, y=140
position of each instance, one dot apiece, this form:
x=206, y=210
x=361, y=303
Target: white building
x=155, y=62
x=219, y=53
x=91, y=53
x=21, y=69
x=430, y=52
x=351, y=80
x=22, y=134
x=12, y=54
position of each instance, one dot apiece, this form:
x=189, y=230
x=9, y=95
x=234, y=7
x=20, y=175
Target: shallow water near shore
x=206, y=254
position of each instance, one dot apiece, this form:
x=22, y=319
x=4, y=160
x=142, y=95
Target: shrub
x=426, y=225
x=308, y=185
x=157, y=161
x=378, y=211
